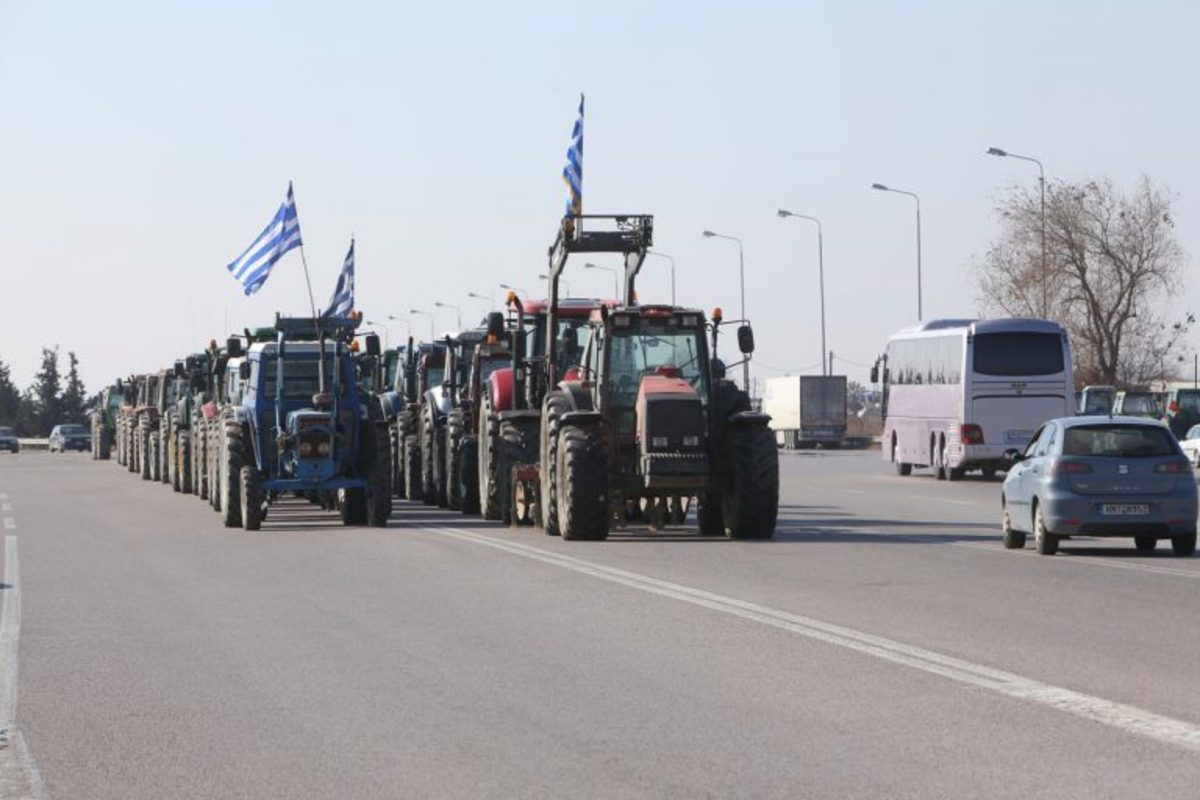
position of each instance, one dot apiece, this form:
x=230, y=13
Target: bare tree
x=1113, y=266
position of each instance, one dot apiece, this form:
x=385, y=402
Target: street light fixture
x=784, y=214
x=432, y=334
x=490, y=299
x=996, y=151
x=457, y=312
x=405, y=320
x=566, y=286
x=672, y=260
x=615, y=274
x=742, y=277
x=386, y=345
x=914, y=196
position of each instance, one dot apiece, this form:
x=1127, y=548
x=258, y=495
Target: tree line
x=53, y=399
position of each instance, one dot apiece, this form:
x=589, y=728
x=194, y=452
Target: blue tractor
x=305, y=427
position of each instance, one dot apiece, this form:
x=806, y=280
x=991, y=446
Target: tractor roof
x=568, y=306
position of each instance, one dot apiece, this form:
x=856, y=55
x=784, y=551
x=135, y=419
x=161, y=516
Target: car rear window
x=1118, y=441
x=1139, y=404
x=71, y=429
x=6, y=431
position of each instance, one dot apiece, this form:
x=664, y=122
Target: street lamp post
x=490, y=299
x=996, y=151
x=432, y=334
x=672, y=260
x=914, y=196
x=742, y=279
x=456, y=309
x=616, y=278
x=407, y=322
x=386, y=345
x=784, y=214
x=566, y=286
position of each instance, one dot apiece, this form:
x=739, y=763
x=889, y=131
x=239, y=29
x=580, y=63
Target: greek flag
x=342, y=302
x=573, y=171
x=281, y=235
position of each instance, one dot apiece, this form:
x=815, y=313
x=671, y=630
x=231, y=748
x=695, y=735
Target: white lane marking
x=1129, y=719
x=19, y=776
x=1082, y=559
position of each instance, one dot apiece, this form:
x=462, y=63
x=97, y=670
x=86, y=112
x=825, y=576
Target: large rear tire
x=429, y=493
x=468, y=474
x=183, y=450
x=396, y=452
x=517, y=446
x=412, y=468
x=144, y=460
x=751, y=497
x=488, y=448
x=454, y=435
x=556, y=405
x=582, y=472
x=379, y=480
x=234, y=456
x=352, y=506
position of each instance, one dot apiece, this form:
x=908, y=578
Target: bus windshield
x=1018, y=354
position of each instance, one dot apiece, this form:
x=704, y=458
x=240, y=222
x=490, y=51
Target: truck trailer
x=807, y=410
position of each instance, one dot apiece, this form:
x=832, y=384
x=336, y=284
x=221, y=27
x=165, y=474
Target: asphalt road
x=883, y=645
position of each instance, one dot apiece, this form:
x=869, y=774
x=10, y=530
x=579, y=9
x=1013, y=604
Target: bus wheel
x=939, y=463
x=903, y=469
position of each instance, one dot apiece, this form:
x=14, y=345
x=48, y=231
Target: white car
x=1191, y=445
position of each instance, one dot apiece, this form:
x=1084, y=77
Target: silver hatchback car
x=1101, y=476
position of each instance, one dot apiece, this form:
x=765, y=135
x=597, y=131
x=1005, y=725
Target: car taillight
x=1070, y=468
x=970, y=434
x=1173, y=467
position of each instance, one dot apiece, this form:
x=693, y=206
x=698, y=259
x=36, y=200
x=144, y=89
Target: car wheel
x=989, y=473
x=1047, y=542
x=1013, y=539
x=1184, y=545
x=1145, y=544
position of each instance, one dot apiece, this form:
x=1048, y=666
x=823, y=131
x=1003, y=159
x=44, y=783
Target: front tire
x=1013, y=539
x=1184, y=545
x=751, y=497
x=583, y=484
x=231, y=476
x=379, y=481
x=251, y=495
x=556, y=405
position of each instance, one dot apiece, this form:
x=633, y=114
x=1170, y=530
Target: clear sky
x=144, y=144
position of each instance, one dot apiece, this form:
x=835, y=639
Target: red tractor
x=648, y=415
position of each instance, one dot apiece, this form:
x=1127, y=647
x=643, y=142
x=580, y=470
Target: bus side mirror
x=244, y=370
x=233, y=346
x=745, y=337
x=372, y=342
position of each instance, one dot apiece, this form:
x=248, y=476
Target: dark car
x=1101, y=476
x=8, y=440
x=69, y=437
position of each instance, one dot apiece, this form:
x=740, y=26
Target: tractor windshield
x=300, y=379
x=650, y=349
x=535, y=345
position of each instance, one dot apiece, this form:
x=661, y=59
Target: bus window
x=1018, y=354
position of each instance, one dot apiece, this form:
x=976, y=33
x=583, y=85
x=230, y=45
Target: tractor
x=648, y=414
x=302, y=426
x=456, y=413
x=420, y=425
x=104, y=420
x=143, y=425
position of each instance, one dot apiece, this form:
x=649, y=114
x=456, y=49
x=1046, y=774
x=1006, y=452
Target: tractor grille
x=673, y=420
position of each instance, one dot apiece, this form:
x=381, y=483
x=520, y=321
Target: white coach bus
x=959, y=394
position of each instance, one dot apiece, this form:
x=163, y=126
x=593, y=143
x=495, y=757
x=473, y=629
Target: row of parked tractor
x=577, y=416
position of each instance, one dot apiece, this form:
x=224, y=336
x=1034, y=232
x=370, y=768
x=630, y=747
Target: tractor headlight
x=306, y=449
x=323, y=448
x=691, y=441
x=658, y=441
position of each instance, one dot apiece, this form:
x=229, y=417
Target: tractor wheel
x=164, y=452
x=582, y=473
x=441, y=482
x=395, y=452
x=105, y=444
x=412, y=468
x=231, y=476
x=183, y=468
x=379, y=480
x=516, y=446
x=251, y=496
x=709, y=515
x=454, y=434
x=468, y=474
x=679, y=509
x=428, y=484
x=751, y=497
x=173, y=476
x=132, y=440
x=156, y=456
x=214, y=453
x=352, y=506
x=144, y=452
x=557, y=404
x=488, y=450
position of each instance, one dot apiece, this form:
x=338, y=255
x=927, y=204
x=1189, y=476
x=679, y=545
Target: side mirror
x=745, y=337
x=120, y=386
x=179, y=369
x=875, y=374
x=233, y=346
x=372, y=343
x=244, y=370
x=570, y=340
x=495, y=324
x=718, y=369
x=1013, y=457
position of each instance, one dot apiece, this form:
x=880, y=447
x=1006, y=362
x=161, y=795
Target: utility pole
x=830, y=363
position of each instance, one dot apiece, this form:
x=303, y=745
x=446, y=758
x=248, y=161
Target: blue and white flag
x=573, y=171
x=342, y=302
x=282, y=234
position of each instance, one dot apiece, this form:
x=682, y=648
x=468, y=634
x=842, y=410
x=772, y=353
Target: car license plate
x=1124, y=509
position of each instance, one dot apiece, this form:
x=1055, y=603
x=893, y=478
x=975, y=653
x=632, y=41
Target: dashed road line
x=19, y=776
x=1126, y=718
